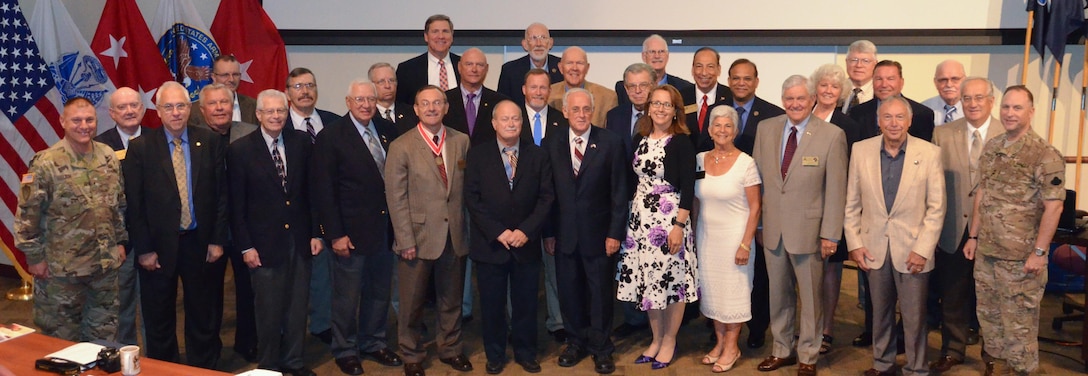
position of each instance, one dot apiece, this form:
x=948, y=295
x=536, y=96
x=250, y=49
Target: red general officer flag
x=129, y=54
x=243, y=29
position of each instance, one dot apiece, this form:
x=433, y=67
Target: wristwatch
x=1040, y=251
x=678, y=223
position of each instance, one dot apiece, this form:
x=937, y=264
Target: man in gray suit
x=424, y=177
x=961, y=143
x=802, y=160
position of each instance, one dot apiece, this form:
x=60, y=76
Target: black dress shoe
x=386, y=357
x=626, y=329
x=864, y=339
x=560, y=335
x=972, y=336
x=413, y=369
x=571, y=356
x=459, y=363
x=350, y=365
x=495, y=368
x=755, y=340
x=250, y=354
x=603, y=364
x=298, y=371
x=530, y=365
x=325, y=336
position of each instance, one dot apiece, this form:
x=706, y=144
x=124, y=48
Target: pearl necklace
x=717, y=156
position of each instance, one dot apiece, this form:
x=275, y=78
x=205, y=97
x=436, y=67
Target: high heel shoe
x=719, y=367
x=659, y=365
x=709, y=360
x=644, y=359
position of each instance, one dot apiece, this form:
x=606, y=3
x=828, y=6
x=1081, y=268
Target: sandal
x=720, y=367
x=708, y=359
x=825, y=345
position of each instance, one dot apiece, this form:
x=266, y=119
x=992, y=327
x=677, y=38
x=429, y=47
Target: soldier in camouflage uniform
x=70, y=225
x=1017, y=205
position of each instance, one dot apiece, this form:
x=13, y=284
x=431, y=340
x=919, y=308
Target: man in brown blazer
x=802, y=160
x=961, y=143
x=424, y=176
x=575, y=67
x=894, y=210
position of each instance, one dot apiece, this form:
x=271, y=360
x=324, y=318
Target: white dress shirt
x=432, y=71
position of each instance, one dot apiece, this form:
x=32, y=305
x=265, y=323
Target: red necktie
x=442, y=76
x=702, y=113
x=441, y=165
x=578, y=155
x=787, y=155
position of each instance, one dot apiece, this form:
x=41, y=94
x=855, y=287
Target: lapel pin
x=592, y=146
x=915, y=162
x=755, y=113
x=198, y=143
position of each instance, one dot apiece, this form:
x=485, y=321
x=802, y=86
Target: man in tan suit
x=424, y=175
x=894, y=208
x=961, y=143
x=575, y=66
x=803, y=163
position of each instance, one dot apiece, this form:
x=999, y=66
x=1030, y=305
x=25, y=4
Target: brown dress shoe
x=806, y=370
x=874, y=372
x=772, y=363
x=944, y=363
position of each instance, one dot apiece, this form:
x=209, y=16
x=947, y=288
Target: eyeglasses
x=657, y=104
x=299, y=86
x=538, y=38
x=974, y=99
x=277, y=111
x=170, y=107
x=363, y=100
x=226, y=75
x=855, y=61
x=642, y=86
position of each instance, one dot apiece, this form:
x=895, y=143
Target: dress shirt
x=373, y=133
x=981, y=131
x=299, y=121
x=747, y=111
x=865, y=95
x=585, y=143
x=125, y=136
x=475, y=101
x=392, y=111
x=664, y=80
x=505, y=159
x=634, y=119
x=432, y=71
x=188, y=168
x=710, y=96
x=543, y=119
x=237, y=116
x=279, y=145
x=533, y=66
x=891, y=171
x=937, y=105
x=786, y=135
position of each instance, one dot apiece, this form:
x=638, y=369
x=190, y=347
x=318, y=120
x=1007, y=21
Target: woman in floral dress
x=657, y=264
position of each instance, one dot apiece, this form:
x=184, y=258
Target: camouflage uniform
x=1016, y=179
x=70, y=215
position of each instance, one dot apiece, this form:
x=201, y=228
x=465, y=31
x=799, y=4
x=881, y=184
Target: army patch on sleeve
x=1056, y=181
x=28, y=178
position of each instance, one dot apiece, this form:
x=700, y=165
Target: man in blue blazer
x=538, y=43
x=430, y=67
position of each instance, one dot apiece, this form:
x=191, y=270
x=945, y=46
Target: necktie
x=702, y=113
x=442, y=77
x=470, y=112
x=376, y=150
x=310, y=129
x=975, y=153
x=441, y=166
x=181, y=177
x=577, y=155
x=787, y=155
x=740, y=115
x=949, y=110
x=854, y=100
x=538, y=129
x=389, y=115
x=276, y=157
x=513, y=158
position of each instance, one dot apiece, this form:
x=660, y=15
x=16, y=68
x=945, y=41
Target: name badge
x=810, y=161
x=700, y=175
x=461, y=164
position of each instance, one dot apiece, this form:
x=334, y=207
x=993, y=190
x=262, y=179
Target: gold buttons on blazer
x=288, y=202
x=286, y=226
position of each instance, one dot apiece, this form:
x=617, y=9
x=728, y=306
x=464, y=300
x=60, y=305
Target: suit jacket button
x=383, y=211
x=445, y=219
x=965, y=215
x=286, y=226
x=288, y=202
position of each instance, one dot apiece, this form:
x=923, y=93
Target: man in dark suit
x=349, y=194
x=304, y=116
x=400, y=114
x=538, y=43
x=888, y=82
x=509, y=195
x=471, y=103
x=743, y=81
x=434, y=67
x=655, y=52
x=705, y=69
x=216, y=109
x=127, y=111
x=590, y=219
x=177, y=219
x=271, y=223
x=639, y=79
x=227, y=71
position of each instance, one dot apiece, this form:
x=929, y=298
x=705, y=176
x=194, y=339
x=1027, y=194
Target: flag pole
x=22, y=293
x=1054, y=99
x=1027, y=48
x=1080, y=129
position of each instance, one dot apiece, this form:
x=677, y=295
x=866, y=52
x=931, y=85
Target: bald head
x=574, y=65
x=126, y=109
x=947, y=78
x=537, y=42
x=473, y=69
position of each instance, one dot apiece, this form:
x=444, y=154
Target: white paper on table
x=259, y=372
x=83, y=353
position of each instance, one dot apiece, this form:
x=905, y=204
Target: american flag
x=31, y=106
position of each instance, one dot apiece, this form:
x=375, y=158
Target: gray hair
x=989, y=84
x=862, y=46
x=214, y=86
x=835, y=73
x=725, y=111
x=646, y=42
x=169, y=85
x=799, y=80
x=379, y=65
x=899, y=99
x=270, y=93
x=576, y=90
x=640, y=68
x=361, y=82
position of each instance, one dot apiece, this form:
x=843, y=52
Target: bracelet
x=745, y=247
x=972, y=237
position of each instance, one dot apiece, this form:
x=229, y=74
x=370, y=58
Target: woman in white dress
x=727, y=192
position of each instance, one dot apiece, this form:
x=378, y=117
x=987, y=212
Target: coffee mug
x=130, y=360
